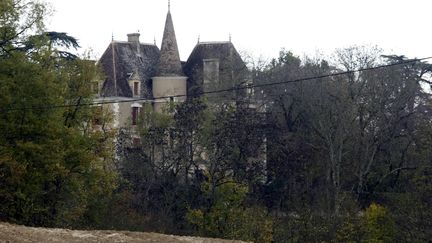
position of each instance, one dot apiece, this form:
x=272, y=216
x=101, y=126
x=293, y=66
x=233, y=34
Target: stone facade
x=161, y=76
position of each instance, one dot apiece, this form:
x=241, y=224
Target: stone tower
x=169, y=84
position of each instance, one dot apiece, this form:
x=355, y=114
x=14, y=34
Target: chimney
x=133, y=37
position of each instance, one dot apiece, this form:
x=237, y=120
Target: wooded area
x=341, y=158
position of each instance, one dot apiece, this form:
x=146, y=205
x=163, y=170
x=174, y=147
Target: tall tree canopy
x=54, y=165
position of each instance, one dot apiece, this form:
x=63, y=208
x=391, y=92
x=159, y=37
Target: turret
x=169, y=84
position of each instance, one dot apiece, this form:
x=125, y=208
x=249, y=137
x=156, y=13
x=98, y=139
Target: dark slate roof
x=127, y=60
x=169, y=63
x=231, y=66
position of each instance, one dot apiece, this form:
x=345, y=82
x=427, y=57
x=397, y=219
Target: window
x=211, y=71
x=135, y=112
x=136, y=141
x=98, y=115
x=136, y=88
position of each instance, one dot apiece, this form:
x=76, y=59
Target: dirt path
x=17, y=233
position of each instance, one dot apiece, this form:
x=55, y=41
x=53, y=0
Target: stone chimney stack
x=133, y=37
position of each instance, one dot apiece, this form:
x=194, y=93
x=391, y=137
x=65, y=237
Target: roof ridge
x=141, y=43
x=213, y=42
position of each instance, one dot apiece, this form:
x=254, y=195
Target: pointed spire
x=169, y=62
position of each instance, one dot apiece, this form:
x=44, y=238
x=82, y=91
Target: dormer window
x=135, y=85
x=211, y=71
x=135, y=88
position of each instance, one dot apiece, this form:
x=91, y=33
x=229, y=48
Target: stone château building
x=137, y=73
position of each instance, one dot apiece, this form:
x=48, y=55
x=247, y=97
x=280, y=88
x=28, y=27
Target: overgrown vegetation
x=342, y=158
x=54, y=166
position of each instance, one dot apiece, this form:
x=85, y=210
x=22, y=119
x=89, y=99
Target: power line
x=217, y=91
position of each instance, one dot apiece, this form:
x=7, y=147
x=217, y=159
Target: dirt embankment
x=17, y=233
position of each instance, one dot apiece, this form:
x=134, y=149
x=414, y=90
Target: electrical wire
x=216, y=91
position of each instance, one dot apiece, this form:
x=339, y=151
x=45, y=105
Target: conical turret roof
x=169, y=62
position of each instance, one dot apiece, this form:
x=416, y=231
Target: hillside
x=17, y=233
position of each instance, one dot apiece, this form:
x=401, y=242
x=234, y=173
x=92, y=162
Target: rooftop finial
x=112, y=36
x=169, y=5
x=230, y=37
x=199, y=37
x=154, y=39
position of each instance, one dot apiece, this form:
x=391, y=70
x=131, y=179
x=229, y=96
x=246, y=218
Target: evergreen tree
x=54, y=165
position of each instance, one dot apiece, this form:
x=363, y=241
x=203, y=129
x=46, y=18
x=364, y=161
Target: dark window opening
x=136, y=141
x=98, y=116
x=135, y=111
x=135, y=88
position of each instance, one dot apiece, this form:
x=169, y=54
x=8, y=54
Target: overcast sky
x=260, y=28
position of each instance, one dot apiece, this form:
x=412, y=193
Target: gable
x=121, y=61
x=208, y=56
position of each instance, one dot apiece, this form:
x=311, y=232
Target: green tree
x=228, y=216
x=336, y=144
x=379, y=225
x=54, y=165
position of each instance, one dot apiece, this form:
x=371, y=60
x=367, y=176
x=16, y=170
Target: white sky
x=260, y=28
